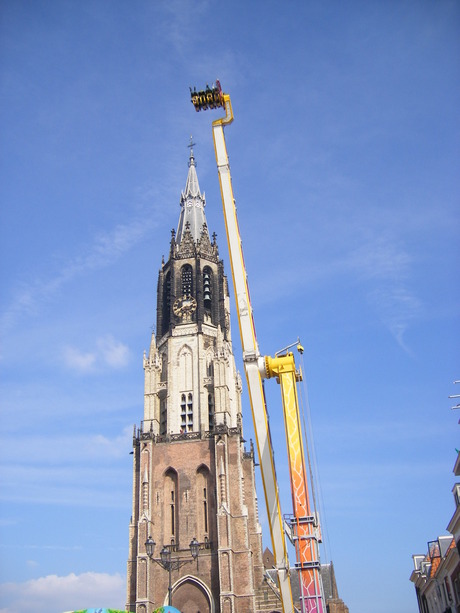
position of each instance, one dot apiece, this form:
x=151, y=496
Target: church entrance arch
x=190, y=595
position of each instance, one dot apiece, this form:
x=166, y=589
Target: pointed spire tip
x=191, y=160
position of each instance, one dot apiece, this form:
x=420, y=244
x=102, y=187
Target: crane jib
x=304, y=525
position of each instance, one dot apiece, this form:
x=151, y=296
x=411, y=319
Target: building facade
x=436, y=574
x=193, y=478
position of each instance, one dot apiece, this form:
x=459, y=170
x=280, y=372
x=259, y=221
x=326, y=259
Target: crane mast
x=304, y=528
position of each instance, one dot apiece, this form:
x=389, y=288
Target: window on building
x=203, y=493
x=164, y=367
x=173, y=513
x=207, y=288
x=145, y=496
x=187, y=281
x=205, y=509
x=166, y=303
x=449, y=593
x=456, y=583
x=211, y=411
x=183, y=413
x=170, y=511
x=190, y=413
x=163, y=416
x=457, y=494
x=186, y=413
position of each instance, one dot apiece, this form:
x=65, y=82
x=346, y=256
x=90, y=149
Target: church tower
x=193, y=479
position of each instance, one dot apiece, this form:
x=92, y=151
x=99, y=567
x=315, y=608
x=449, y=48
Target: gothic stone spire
x=192, y=203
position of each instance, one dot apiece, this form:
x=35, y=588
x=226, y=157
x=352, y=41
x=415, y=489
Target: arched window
x=145, y=496
x=205, y=508
x=166, y=303
x=190, y=413
x=164, y=367
x=170, y=511
x=186, y=413
x=163, y=416
x=185, y=368
x=183, y=413
x=173, y=514
x=207, y=288
x=187, y=281
x=203, y=500
x=211, y=411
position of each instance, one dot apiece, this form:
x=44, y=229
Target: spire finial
x=192, y=203
x=192, y=157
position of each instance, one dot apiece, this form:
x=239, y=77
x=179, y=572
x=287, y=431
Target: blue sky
x=344, y=157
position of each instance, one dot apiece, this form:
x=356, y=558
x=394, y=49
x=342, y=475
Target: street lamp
x=165, y=560
x=150, y=546
x=194, y=548
x=165, y=557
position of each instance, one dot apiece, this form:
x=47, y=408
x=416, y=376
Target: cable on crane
x=312, y=459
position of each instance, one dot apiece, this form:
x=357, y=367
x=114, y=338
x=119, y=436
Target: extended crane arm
x=252, y=361
x=256, y=368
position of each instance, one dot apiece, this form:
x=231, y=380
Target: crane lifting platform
x=303, y=524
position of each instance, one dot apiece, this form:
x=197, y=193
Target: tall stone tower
x=192, y=476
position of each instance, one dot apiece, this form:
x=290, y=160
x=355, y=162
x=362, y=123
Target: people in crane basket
x=207, y=98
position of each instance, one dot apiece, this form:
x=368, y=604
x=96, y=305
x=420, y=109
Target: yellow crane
x=304, y=526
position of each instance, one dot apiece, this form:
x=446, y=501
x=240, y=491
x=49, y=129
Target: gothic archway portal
x=192, y=596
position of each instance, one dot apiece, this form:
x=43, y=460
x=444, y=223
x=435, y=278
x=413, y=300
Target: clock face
x=184, y=307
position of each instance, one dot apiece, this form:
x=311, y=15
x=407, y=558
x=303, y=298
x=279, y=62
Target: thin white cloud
x=45, y=547
x=379, y=258
x=107, y=247
x=385, y=266
x=77, y=360
x=182, y=15
x=370, y=479
x=54, y=594
x=397, y=308
x=76, y=486
x=383, y=432
x=382, y=266
x=91, y=471
x=107, y=352
x=73, y=448
x=113, y=352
